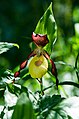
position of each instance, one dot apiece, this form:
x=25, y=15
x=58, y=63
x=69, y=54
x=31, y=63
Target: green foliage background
x=18, y=19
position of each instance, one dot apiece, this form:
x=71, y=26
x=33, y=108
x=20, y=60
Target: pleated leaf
x=47, y=25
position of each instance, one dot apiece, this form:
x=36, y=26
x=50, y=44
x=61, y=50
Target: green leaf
x=2, y=102
x=2, y=96
x=56, y=107
x=23, y=108
x=5, y=46
x=70, y=107
x=76, y=29
x=6, y=77
x=17, y=89
x=46, y=104
x=2, y=113
x=64, y=63
x=47, y=25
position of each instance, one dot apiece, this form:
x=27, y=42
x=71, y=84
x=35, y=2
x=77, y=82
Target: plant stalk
x=76, y=62
x=41, y=84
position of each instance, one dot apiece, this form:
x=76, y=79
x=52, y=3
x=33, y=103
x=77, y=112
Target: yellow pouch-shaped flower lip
x=38, y=66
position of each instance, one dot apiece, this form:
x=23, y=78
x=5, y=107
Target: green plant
x=27, y=95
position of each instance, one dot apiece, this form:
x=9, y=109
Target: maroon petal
x=16, y=74
x=53, y=68
x=39, y=39
x=23, y=65
x=54, y=72
x=47, y=55
x=33, y=53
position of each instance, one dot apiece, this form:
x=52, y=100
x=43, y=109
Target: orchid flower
x=38, y=66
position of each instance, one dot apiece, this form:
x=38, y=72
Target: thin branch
x=48, y=87
x=62, y=83
x=41, y=84
x=32, y=95
x=76, y=67
x=69, y=83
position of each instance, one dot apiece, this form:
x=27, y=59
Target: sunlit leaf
x=70, y=106
x=47, y=25
x=6, y=76
x=23, y=108
x=10, y=99
x=77, y=29
x=46, y=104
x=2, y=112
x=16, y=89
x=56, y=107
x=5, y=46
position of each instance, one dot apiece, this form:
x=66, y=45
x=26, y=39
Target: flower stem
x=76, y=63
x=41, y=85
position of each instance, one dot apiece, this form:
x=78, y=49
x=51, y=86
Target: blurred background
x=18, y=19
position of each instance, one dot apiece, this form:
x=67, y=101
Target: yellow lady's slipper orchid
x=38, y=66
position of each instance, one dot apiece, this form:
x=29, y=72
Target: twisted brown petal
x=53, y=69
x=23, y=65
x=16, y=74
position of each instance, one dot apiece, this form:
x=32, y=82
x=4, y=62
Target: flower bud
x=38, y=66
